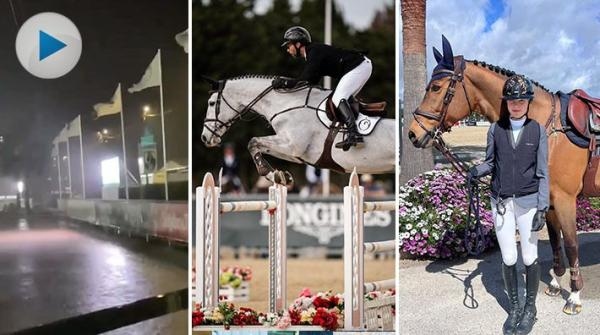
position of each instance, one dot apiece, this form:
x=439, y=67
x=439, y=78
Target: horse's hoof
x=278, y=177
x=572, y=308
x=552, y=291
x=289, y=180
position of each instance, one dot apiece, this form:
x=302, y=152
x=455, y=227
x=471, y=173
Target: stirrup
x=347, y=143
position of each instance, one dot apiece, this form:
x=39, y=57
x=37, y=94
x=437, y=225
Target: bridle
x=218, y=87
x=456, y=76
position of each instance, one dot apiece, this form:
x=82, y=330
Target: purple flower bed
x=588, y=214
x=433, y=214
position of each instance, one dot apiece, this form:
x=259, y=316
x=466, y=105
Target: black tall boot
x=511, y=284
x=353, y=138
x=529, y=312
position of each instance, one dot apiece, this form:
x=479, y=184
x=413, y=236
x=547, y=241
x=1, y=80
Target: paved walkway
x=467, y=296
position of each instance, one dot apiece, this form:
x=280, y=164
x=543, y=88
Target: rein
x=457, y=76
x=238, y=114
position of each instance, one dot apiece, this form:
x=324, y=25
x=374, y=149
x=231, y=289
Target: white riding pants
x=515, y=216
x=352, y=82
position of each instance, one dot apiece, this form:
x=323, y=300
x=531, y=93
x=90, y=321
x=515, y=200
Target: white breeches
x=352, y=82
x=506, y=224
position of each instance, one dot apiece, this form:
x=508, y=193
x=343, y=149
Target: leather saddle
x=373, y=109
x=584, y=113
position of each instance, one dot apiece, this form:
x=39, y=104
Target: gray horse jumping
x=302, y=133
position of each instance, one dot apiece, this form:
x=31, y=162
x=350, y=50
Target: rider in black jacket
x=352, y=69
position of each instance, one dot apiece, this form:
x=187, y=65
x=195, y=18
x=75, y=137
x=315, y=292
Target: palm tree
x=413, y=160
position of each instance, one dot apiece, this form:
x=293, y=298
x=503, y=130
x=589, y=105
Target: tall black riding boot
x=529, y=312
x=511, y=284
x=353, y=138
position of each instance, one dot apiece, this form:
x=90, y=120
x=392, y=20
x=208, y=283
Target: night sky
x=119, y=38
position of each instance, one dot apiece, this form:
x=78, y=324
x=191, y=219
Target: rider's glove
x=539, y=220
x=279, y=83
x=472, y=175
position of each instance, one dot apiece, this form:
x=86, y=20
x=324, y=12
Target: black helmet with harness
x=517, y=87
x=296, y=34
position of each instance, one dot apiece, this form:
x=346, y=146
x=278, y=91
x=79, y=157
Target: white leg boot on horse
x=511, y=284
x=573, y=305
x=532, y=283
x=353, y=138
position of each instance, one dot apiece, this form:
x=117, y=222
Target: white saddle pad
x=365, y=124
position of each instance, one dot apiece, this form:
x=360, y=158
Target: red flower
x=197, y=318
x=334, y=301
x=325, y=319
x=294, y=316
x=321, y=302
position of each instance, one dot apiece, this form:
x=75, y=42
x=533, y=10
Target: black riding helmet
x=296, y=34
x=517, y=87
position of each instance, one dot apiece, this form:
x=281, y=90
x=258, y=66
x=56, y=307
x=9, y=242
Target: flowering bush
x=234, y=275
x=588, y=214
x=433, y=214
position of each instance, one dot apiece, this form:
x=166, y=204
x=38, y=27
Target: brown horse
x=459, y=87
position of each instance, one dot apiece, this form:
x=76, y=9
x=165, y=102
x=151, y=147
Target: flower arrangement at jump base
x=323, y=309
x=233, y=276
x=433, y=211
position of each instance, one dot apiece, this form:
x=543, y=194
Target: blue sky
x=493, y=11
x=552, y=41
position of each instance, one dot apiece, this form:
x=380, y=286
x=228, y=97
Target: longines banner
x=310, y=221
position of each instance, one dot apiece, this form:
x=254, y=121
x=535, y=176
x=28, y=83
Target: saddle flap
x=586, y=109
x=577, y=112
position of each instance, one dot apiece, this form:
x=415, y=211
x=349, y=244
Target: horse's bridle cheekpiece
x=218, y=87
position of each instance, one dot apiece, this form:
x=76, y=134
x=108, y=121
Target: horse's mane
x=504, y=72
x=254, y=76
x=271, y=77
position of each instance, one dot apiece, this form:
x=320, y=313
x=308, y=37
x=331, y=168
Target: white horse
x=300, y=135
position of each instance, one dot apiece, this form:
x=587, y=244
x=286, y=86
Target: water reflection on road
x=52, y=269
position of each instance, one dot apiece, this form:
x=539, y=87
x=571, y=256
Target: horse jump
x=354, y=252
x=208, y=209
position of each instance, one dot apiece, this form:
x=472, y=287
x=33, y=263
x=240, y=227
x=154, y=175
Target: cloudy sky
x=358, y=13
x=552, y=41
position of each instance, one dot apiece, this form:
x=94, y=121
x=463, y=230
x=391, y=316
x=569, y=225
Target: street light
x=20, y=186
x=146, y=112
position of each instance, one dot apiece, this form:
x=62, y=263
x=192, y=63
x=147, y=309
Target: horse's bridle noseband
x=238, y=114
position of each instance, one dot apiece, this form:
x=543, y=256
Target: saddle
x=372, y=109
x=584, y=113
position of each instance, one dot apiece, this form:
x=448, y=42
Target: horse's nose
x=204, y=138
x=412, y=137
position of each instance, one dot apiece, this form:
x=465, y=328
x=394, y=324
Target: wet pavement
x=467, y=296
x=52, y=268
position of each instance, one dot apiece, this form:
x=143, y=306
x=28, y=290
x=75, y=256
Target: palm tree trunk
x=413, y=160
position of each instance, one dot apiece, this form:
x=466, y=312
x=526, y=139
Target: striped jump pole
x=208, y=209
x=354, y=250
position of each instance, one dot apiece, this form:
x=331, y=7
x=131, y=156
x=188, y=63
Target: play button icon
x=48, y=45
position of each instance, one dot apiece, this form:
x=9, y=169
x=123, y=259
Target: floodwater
x=52, y=268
